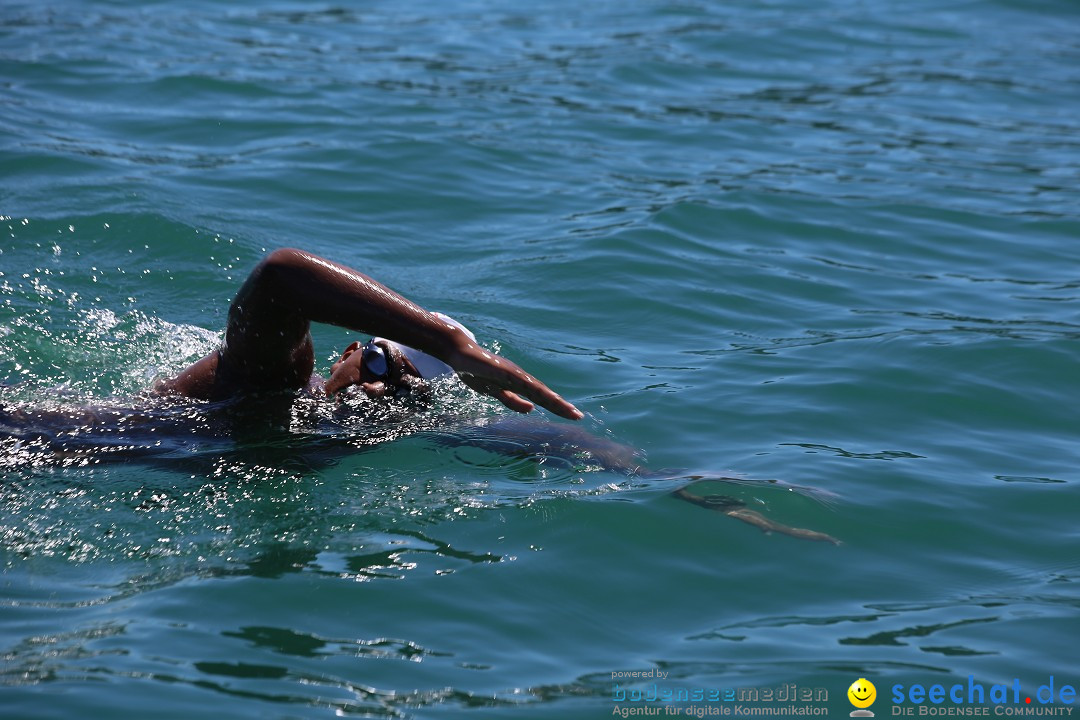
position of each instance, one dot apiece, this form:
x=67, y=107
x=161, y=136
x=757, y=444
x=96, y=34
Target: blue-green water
x=830, y=243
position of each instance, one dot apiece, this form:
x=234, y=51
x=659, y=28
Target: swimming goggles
x=375, y=361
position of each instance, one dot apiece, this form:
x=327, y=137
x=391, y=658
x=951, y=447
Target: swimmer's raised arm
x=268, y=344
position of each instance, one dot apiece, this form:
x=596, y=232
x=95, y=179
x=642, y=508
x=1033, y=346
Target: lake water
x=834, y=244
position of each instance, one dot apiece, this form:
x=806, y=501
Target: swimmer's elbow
x=272, y=279
x=284, y=274
x=277, y=266
x=285, y=258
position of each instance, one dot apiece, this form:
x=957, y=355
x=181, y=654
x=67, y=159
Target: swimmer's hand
x=487, y=373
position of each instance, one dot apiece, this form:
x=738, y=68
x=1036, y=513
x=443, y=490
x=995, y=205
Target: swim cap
x=429, y=367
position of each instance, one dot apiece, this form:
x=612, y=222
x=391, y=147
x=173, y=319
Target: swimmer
x=267, y=352
x=268, y=346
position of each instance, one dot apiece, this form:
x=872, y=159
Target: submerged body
x=307, y=434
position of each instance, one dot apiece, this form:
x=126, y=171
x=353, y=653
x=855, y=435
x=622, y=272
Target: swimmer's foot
x=737, y=509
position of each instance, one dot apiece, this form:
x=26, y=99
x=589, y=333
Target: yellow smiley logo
x=862, y=693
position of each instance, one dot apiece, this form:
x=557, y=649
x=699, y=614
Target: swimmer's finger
x=525, y=388
x=562, y=408
x=514, y=401
x=547, y=398
x=510, y=399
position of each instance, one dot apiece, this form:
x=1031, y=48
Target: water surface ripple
x=829, y=245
